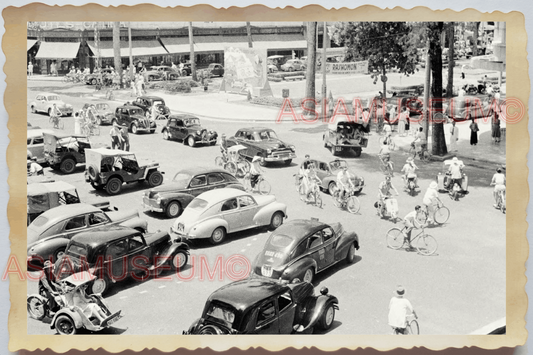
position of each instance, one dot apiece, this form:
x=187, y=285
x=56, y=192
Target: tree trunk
x=310, y=73
x=384, y=76
x=116, y=50
x=475, y=35
x=249, y=35
x=438, y=139
x=451, y=60
x=191, y=56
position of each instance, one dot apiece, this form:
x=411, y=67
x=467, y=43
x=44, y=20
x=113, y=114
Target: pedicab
x=99, y=113
x=69, y=306
x=444, y=177
x=237, y=163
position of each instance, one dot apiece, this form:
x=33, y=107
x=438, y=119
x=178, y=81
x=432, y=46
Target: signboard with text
x=347, y=68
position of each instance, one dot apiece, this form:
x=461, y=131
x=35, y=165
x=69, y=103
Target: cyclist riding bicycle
x=55, y=113
x=431, y=197
x=456, y=173
x=310, y=179
x=255, y=171
x=385, y=195
x=498, y=181
x=344, y=182
x=224, y=146
x=414, y=219
x=409, y=171
x=384, y=152
x=399, y=309
x=420, y=139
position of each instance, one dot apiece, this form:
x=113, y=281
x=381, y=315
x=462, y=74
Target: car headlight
x=158, y=199
x=198, y=133
x=293, y=148
x=269, y=151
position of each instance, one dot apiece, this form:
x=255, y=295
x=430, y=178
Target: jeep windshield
x=265, y=135
x=135, y=111
x=222, y=313
x=191, y=122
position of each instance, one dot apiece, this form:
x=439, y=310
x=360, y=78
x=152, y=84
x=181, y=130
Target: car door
x=180, y=129
x=116, y=259
x=229, y=211
x=198, y=185
x=215, y=181
x=247, y=210
x=315, y=249
x=286, y=308
x=73, y=226
x=138, y=249
x=330, y=242
x=267, y=320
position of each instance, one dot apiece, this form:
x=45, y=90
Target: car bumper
x=280, y=157
x=180, y=235
x=151, y=205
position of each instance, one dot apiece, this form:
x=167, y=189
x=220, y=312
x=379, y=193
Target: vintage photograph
x=331, y=178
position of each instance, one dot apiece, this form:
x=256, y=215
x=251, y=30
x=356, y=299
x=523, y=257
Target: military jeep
x=110, y=168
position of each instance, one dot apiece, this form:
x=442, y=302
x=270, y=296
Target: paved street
x=464, y=280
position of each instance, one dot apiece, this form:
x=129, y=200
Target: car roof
x=102, y=235
x=245, y=293
x=299, y=228
x=256, y=129
x=130, y=106
x=62, y=212
x=218, y=195
x=109, y=152
x=203, y=170
x=182, y=116
x=38, y=132
x=63, y=135
x=151, y=97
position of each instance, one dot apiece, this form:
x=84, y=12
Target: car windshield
x=182, y=178
x=338, y=164
x=76, y=250
x=281, y=241
x=223, y=314
x=135, y=111
x=53, y=98
x=192, y=122
x=265, y=135
x=197, y=204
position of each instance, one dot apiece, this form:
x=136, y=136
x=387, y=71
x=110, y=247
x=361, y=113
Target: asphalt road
x=464, y=280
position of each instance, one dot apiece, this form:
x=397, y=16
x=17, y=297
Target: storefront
x=148, y=52
x=63, y=55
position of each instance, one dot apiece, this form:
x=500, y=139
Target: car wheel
x=210, y=330
x=133, y=128
x=113, y=186
x=331, y=188
x=65, y=325
x=179, y=260
x=58, y=254
x=173, y=209
x=33, y=109
x=276, y=220
x=191, y=142
x=183, y=73
x=91, y=170
x=166, y=135
x=309, y=275
x=350, y=257
x=291, y=69
x=37, y=309
x=218, y=235
x=262, y=162
x=150, y=78
x=93, y=81
x=155, y=179
x=100, y=285
x=326, y=321
x=67, y=166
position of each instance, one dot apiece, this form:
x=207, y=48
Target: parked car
x=265, y=307
x=92, y=79
x=293, y=65
x=63, y=152
x=187, y=129
x=300, y=249
x=187, y=69
x=35, y=144
x=162, y=72
x=464, y=108
x=134, y=118
x=272, y=68
x=214, y=214
x=327, y=173
x=49, y=234
x=111, y=254
x=45, y=101
x=146, y=103
x=263, y=142
x=102, y=112
x=215, y=69
x=109, y=168
x=346, y=136
x=173, y=197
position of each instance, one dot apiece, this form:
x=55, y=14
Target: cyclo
x=237, y=163
x=444, y=179
x=70, y=308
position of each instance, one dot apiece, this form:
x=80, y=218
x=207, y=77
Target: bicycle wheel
x=245, y=166
x=264, y=187
x=352, y=204
x=412, y=328
x=424, y=156
x=231, y=167
x=395, y=238
x=336, y=199
x=426, y=244
x=412, y=152
x=246, y=182
x=219, y=161
x=441, y=215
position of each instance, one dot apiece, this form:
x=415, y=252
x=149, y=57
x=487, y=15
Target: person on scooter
x=384, y=195
x=344, y=182
x=409, y=172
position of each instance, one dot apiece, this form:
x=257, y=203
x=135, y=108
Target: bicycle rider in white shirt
x=498, y=181
x=344, y=182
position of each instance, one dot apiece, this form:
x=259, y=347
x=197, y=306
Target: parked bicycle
x=349, y=201
x=423, y=153
x=261, y=186
x=424, y=243
x=441, y=213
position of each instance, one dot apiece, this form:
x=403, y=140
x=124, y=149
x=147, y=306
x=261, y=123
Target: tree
x=116, y=50
x=191, y=56
x=386, y=46
x=451, y=61
x=310, y=73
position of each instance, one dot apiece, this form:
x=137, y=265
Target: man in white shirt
x=430, y=198
x=498, y=181
x=399, y=309
x=35, y=168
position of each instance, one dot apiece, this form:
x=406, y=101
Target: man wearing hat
x=116, y=136
x=399, y=309
x=35, y=168
x=255, y=171
x=456, y=173
x=408, y=171
x=125, y=137
x=430, y=198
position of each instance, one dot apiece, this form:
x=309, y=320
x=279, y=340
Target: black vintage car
x=256, y=306
x=299, y=249
x=134, y=118
x=146, y=103
x=115, y=253
x=263, y=142
x=187, y=129
x=173, y=197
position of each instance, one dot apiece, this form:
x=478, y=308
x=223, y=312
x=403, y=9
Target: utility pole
x=427, y=86
x=131, y=55
x=324, y=57
x=191, y=44
x=116, y=49
x=311, y=62
x=249, y=34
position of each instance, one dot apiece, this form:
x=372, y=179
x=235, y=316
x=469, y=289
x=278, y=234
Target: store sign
x=347, y=68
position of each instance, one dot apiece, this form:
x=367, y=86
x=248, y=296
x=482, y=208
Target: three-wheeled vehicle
x=444, y=178
x=343, y=135
x=99, y=113
x=63, y=152
x=69, y=306
x=237, y=163
x=46, y=195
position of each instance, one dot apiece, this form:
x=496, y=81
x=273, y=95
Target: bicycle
x=413, y=327
x=313, y=196
x=90, y=129
x=57, y=122
x=390, y=142
x=423, y=154
x=238, y=168
x=262, y=186
x=221, y=160
x=386, y=168
x=441, y=213
x=424, y=243
x=501, y=205
x=349, y=201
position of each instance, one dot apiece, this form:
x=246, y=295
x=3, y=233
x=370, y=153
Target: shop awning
x=138, y=49
x=31, y=43
x=58, y=50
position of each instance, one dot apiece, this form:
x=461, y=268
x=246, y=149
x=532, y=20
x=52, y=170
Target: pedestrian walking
x=125, y=137
x=496, y=134
x=473, y=132
x=402, y=122
x=399, y=309
x=454, y=137
x=30, y=69
x=463, y=71
x=116, y=136
x=133, y=86
x=140, y=83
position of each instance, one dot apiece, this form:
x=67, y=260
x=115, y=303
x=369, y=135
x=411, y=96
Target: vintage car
x=344, y=136
x=215, y=69
x=162, y=72
x=43, y=196
x=72, y=313
x=49, y=234
x=114, y=253
x=63, y=152
x=187, y=69
x=173, y=197
x=300, y=249
x=109, y=168
x=263, y=142
x=35, y=144
x=146, y=103
x=294, y=65
x=214, y=214
x=92, y=79
x=444, y=178
x=256, y=306
x=99, y=113
x=464, y=108
x=134, y=118
x=187, y=129
x=327, y=173
x=45, y=101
